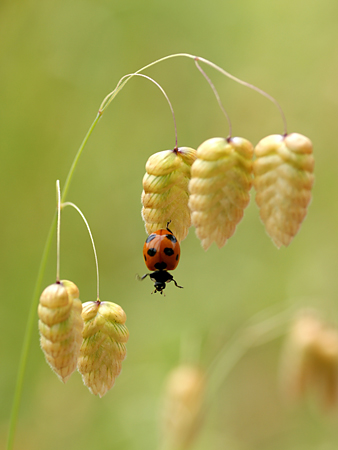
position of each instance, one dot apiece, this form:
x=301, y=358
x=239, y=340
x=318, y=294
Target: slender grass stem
x=58, y=230
x=249, y=85
x=217, y=98
x=92, y=240
x=77, y=157
x=163, y=92
x=121, y=84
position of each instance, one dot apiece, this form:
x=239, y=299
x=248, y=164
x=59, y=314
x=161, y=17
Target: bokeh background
x=58, y=59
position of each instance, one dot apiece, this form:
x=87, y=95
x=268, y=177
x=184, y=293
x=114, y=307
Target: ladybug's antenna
x=167, y=227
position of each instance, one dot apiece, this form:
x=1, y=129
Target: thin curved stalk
x=121, y=84
x=220, y=104
x=93, y=244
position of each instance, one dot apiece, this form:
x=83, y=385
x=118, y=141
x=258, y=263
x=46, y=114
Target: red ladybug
x=161, y=252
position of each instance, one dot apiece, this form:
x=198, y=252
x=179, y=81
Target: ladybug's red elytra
x=161, y=252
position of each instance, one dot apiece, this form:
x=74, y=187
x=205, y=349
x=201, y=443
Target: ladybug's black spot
x=151, y=251
x=168, y=251
x=177, y=256
x=171, y=238
x=145, y=258
x=150, y=238
x=160, y=265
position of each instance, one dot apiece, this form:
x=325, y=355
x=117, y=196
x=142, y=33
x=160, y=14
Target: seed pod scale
x=165, y=191
x=283, y=179
x=221, y=178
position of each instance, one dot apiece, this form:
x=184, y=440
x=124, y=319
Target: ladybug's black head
x=160, y=278
x=159, y=286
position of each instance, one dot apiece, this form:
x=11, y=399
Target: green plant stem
x=28, y=338
x=35, y=299
x=77, y=157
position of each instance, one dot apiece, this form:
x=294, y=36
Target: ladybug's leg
x=177, y=284
x=142, y=278
x=161, y=292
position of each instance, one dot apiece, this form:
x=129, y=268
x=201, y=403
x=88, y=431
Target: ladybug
x=161, y=252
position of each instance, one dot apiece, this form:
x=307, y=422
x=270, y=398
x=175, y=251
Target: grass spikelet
x=103, y=348
x=183, y=404
x=283, y=179
x=310, y=360
x=60, y=327
x=221, y=178
x=165, y=191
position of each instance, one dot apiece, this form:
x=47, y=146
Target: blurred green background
x=58, y=59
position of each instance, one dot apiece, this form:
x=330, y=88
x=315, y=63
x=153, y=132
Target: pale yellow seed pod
x=283, y=179
x=310, y=360
x=103, y=348
x=221, y=178
x=60, y=327
x=183, y=407
x=165, y=191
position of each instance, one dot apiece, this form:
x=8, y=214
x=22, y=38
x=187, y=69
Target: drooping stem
x=217, y=97
x=58, y=230
x=249, y=85
x=161, y=89
x=120, y=84
x=93, y=244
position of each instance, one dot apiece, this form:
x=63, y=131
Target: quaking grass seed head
x=283, y=179
x=165, y=191
x=310, y=360
x=103, y=348
x=221, y=178
x=183, y=406
x=60, y=327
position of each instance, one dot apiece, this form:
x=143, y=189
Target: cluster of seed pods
x=89, y=337
x=210, y=188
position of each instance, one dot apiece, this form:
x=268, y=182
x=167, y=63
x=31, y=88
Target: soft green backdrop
x=58, y=59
